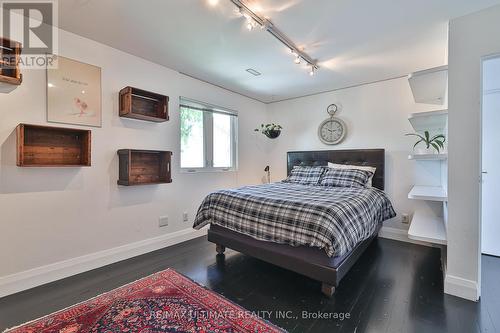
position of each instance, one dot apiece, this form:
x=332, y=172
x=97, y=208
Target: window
x=208, y=137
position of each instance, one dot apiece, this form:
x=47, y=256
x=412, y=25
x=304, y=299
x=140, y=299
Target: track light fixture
x=253, y=20
x=311, y=72
x=249, y=25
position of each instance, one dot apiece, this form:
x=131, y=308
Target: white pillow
x=357, y=167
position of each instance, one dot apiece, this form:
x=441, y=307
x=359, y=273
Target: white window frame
x=208, y=112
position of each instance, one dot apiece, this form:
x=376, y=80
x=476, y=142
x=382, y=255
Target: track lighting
x=253, y=20
x=251, y=24
x=312, y=71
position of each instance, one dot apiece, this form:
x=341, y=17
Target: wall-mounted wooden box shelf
x=43, y=146
x=143, y=105
x=10, y=74
x=143, y=167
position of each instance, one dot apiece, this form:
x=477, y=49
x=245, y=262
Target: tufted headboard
x=368, y=157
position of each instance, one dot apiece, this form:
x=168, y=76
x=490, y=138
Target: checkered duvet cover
x=335, y=219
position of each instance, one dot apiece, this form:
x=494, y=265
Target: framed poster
x=74, y=93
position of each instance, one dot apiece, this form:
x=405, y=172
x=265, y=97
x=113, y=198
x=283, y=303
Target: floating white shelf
x=430, y=193
x=429, y=86
x=427, y=228
x=430, y=120
x=428, y=157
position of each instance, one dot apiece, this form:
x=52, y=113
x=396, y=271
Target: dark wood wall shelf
x=10, y=74
x=44, y=146
x=143, y=167
x=143, y=105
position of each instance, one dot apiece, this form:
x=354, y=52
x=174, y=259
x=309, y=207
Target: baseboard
x=460, y=287
x=399, y=235
x=17, y=282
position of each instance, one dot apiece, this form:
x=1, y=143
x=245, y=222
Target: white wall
x=471, y=38
x=50, y=215
x=377, y=117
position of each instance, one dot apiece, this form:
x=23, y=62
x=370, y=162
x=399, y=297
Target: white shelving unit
x=428, y=157
x=429, y=193
x=427, y=228
x=430, y=86
x=430, y=120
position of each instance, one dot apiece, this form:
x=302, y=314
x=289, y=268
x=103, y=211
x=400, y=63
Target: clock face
x=332, y=131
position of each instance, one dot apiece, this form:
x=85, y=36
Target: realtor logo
x=33, y=24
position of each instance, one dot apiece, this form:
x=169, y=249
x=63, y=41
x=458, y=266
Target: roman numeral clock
x=332, y=130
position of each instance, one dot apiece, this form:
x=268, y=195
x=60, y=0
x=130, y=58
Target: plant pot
x=273, y=134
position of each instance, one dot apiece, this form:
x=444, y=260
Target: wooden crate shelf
x=144, y=167
x=143, y=105
x=44, y=146
x=10, y=74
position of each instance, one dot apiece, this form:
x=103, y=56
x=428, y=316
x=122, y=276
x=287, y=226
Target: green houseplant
x=435, y=142
x=272, y=131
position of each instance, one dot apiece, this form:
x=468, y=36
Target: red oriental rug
x=163, y=302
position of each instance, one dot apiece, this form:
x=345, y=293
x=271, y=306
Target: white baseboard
x=456, y=286
x=17, y=282
x=399, y=235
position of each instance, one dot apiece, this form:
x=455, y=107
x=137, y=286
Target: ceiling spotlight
x=297, y=59
x=311, y=73
x=213, y=3
x=249, y=25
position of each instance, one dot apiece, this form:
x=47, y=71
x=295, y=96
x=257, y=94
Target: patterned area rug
x=164, y=302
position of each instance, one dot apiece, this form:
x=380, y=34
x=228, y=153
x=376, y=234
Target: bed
x=284, y=224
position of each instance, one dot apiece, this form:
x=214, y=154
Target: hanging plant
x=272, y=131
x=436, y=142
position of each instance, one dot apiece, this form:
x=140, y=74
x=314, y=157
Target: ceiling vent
x=253, y=72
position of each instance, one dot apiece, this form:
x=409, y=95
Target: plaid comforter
x=335, y=219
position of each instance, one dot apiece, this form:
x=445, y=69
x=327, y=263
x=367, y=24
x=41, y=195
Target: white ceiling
x=354, y=41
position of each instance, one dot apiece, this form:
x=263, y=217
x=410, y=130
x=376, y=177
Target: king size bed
x=317, y=222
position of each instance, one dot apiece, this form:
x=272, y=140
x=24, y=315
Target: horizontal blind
x=201, y=106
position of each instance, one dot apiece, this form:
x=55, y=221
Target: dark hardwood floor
x=394, y=287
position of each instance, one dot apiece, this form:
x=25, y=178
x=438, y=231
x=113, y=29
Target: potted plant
x=432, y=144
x=272, y=131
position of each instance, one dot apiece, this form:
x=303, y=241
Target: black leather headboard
x=368, y=157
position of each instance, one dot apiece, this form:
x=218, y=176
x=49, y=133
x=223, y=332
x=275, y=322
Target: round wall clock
x=333, y=130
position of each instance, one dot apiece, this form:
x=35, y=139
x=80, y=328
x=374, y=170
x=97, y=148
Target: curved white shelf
x=428, y=157
x=431, y=120
x=427, y=228
x=430, y=193
x=429, y=86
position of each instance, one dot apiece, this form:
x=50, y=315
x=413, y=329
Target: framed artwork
x=74, y=93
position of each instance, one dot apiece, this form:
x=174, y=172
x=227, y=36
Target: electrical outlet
x=163, y=222
x=405, y=218
x=185, y=217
